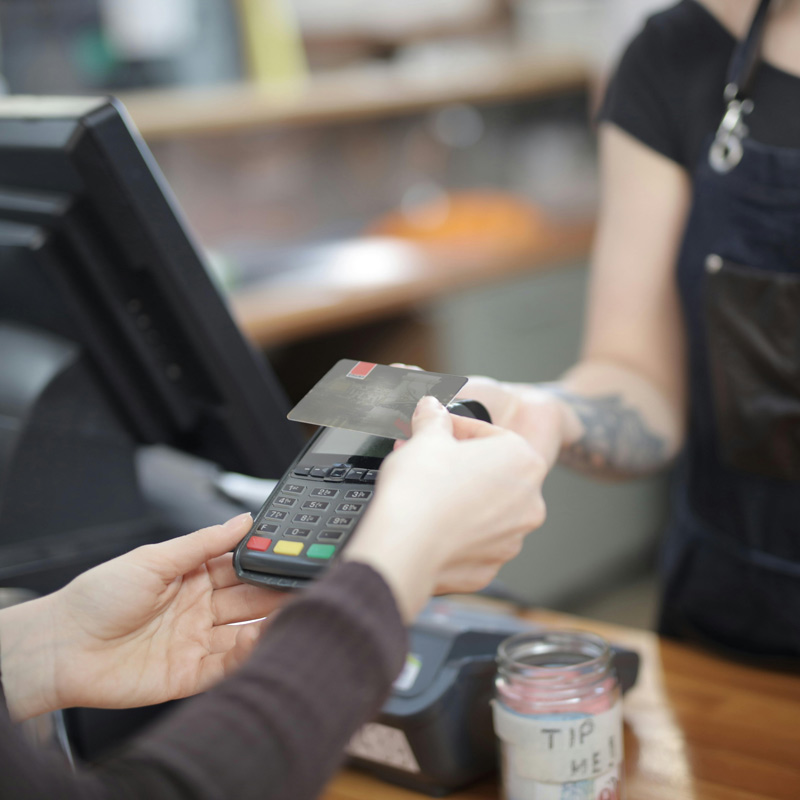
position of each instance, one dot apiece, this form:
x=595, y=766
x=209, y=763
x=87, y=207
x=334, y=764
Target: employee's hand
x=149, y=626
x=451, y=506
x=532, y=411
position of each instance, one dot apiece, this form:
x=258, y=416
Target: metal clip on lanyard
x=727, y=151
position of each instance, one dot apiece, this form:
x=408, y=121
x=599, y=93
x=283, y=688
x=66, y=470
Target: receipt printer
x=435, y=732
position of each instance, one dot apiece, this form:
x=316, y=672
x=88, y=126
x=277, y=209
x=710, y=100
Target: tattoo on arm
x=616, y=443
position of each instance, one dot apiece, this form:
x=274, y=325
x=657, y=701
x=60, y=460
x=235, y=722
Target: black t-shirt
x=668, y=88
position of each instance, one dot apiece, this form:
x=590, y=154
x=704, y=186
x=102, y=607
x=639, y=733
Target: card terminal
x=314, y=509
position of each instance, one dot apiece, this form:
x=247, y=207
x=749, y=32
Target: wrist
x=410, y=591
x=409, y=570
x=570, y=426
x=545, y=419
x=26, y=659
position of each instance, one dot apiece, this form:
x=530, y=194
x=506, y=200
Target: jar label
x=560, y=748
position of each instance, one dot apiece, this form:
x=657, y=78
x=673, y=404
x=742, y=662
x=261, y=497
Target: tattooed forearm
x=616, y=442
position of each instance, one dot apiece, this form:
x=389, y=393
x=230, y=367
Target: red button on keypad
x=258, y=543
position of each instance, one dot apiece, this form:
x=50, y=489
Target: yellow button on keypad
x=289, y=548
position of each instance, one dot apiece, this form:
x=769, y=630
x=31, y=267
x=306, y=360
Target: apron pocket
x=753, y=330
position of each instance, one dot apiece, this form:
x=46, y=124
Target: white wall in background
x=146, y=29
x=385, y=17
x=594, y=29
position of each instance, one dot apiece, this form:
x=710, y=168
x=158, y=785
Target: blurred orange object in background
x=478, y=217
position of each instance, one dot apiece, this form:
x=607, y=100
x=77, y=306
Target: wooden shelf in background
x=346, y=95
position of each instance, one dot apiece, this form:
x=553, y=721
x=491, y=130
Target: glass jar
x=558, y=715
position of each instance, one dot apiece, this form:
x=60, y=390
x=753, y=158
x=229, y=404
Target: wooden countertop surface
x=368, y=279
x=697, y=727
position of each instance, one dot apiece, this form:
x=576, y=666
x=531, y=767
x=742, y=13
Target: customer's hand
x=146, y=627
x=451, y=506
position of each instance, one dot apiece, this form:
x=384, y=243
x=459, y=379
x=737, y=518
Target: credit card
x=372, y=398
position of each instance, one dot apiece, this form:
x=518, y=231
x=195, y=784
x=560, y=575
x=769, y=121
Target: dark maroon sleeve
x=275, y=730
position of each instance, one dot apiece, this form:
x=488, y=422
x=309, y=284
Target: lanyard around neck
x=745, y=59
x=727, y=151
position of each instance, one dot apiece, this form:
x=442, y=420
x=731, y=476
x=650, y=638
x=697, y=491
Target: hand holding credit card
x=361, y=408
x=372, y=398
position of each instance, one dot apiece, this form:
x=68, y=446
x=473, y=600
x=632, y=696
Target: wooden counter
x=697, y=727
x=349, y=94
x=371, y=279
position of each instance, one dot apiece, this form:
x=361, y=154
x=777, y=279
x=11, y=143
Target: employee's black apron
x=731, y=560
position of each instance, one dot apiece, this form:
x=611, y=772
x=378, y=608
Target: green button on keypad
x=320, y=551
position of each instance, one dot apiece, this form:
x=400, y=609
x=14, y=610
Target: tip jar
x=558, y=716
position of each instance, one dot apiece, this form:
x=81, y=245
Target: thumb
x=430, y=416
x=180, y=555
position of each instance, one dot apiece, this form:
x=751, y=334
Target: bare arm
x=620, y=411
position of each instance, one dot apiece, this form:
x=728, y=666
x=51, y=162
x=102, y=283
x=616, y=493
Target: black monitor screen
x=93, y=248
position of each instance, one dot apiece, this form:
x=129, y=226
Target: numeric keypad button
x=318, y=505
x=324, y=491
x=349, y=508
x=358, y=494
x=267, y=527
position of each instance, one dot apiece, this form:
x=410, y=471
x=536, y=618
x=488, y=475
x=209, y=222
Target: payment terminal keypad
x=306, y=522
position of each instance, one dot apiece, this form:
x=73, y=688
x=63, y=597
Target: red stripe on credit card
x=361, y=370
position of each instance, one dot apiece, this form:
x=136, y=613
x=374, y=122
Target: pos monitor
x=112, y=336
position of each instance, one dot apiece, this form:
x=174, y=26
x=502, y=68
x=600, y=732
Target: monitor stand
x=75, y=488
x=69, y=491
